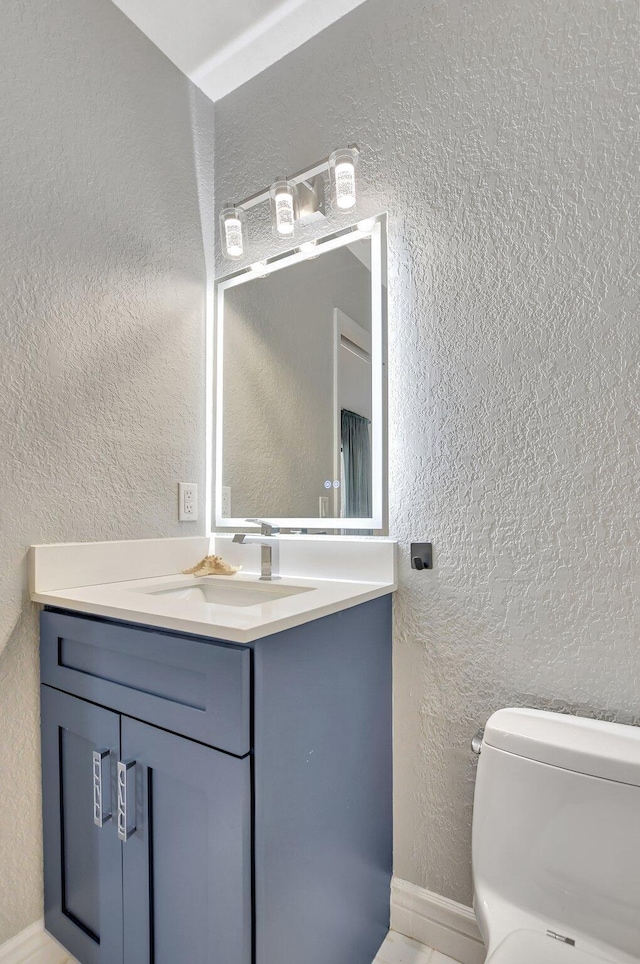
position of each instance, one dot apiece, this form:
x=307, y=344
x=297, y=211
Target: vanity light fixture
x=299, y=197
x=232, y=230
x=284, y=207
x=342, y=169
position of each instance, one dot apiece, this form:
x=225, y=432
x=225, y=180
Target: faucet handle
x=266, y=529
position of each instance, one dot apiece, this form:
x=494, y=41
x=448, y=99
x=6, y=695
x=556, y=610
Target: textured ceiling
x=220, y=44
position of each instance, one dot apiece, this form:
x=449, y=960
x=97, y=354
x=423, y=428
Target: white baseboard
x=34, y=946
x=436, y=921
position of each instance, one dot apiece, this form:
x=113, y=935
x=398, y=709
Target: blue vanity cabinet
x=249, y=787
x=178, y=886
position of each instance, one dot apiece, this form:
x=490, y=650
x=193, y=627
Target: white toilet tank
x=556, y=830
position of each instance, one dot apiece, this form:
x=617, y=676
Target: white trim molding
x=265, y=41
x=249, y=41
x=433, y=920
x=34, y=946
x=436, y=921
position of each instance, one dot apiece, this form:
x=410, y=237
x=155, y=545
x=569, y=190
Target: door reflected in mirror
x=299, y=389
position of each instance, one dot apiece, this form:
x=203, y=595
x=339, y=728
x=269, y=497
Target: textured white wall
x=101, y=334
x=502, y=139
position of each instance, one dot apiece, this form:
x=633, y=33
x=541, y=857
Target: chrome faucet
x=269, y=548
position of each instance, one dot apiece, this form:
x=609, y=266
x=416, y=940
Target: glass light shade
x=343, y=165
x=232, y=231
x=283, y=196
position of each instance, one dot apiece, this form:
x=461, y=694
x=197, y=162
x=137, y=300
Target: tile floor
x=396, y=949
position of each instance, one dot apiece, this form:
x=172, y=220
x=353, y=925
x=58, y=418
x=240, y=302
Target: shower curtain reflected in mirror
x=356, y=465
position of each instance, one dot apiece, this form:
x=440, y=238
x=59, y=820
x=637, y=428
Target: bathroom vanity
x=211, y=801
x=217, y=751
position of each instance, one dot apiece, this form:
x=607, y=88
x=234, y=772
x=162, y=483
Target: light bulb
x=345, y=185
x=284, y=213
x=342, y=167
x=233, y=237
x=232, y=229
x=284, y=208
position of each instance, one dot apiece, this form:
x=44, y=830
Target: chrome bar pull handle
x=126, y=800
x=101, y=780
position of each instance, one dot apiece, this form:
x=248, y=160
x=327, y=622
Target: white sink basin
x=226, y=593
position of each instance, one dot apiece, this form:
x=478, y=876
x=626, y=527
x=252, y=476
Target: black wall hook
x=421, y=555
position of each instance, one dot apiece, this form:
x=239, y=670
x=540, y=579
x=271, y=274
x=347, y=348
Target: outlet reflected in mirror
x=300, y=388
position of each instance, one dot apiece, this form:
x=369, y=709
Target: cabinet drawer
x=183, y=684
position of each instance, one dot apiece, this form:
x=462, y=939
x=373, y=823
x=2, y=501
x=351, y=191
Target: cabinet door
x=187, y=863
x=82, y=860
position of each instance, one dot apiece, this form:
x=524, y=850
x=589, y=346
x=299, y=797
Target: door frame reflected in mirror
x=216, y=521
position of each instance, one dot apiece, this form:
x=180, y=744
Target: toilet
x=556, y=840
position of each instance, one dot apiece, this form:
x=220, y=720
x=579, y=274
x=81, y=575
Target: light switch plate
x=187, y=502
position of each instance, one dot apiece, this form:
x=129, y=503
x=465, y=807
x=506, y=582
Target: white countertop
x=123, y=600
x=127, y=601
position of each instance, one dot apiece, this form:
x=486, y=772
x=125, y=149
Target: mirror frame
x=215, y=386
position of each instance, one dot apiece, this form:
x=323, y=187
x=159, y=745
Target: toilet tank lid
x=610, y=751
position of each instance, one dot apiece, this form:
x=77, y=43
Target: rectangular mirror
x=299, y=388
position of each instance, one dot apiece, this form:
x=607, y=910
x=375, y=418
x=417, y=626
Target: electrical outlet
x=187, y=502
x=226, y=501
